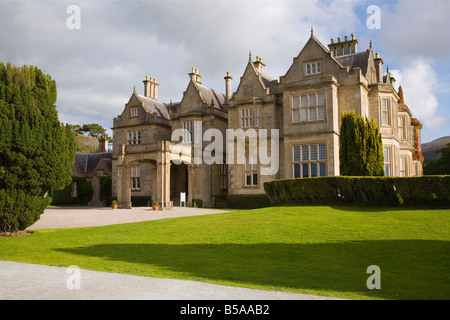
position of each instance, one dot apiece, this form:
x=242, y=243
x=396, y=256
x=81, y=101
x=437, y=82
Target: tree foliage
x=441, y=165
x=87, y=136
x=361, y=147
x=36, y=150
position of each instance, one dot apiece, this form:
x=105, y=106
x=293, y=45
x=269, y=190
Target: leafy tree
x=361, y=147
x=441, y=165
x=87, y=136
x=36, y=150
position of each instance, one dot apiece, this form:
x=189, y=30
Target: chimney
x=103, y=144
x=259, y=64
x=150, y=88
x=379, y=67
x=147, y=87
x=228, y=86
x=343, y=47
x=155, y=89
x=401, y=100
x=195, y=77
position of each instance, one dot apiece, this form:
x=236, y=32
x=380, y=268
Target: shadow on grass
x=410, y=269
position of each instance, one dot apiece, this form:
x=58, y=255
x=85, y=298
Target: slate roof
x=154, y=106
x=356, y=60
x=86, y=162
x=266, y=79
x=210, y=95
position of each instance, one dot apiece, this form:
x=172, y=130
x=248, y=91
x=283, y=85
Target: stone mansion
x=304, y=105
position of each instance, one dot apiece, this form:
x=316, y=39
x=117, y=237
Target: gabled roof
x=356, y=60
x=153, y=106
x=87, y=162
x=265, y=78
x=209, y=96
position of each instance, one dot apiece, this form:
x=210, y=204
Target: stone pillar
x=123, y=181
x=163, y=185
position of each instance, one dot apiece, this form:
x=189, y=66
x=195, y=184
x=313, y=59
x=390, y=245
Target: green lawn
x=313, y=250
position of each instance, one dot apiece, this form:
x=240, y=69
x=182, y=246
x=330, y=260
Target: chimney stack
x=147, y=87
x=150, y=88
x=379, y=67
x=228, y=86
x=195, y=76
x=340, y=48
x=259, y=64
x=103, y=144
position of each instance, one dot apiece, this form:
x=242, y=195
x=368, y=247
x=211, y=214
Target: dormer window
x=313, y=68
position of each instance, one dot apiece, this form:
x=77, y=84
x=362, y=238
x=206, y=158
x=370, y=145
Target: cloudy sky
x=97, y=59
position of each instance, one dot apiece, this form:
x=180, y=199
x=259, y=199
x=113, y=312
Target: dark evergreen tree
x=360, y=147
x=36, y=150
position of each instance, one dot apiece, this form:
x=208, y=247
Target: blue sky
x=121, y=42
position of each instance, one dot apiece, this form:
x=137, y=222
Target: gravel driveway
x=76, y=217
x=24, y=281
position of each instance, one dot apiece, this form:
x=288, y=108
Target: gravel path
x=22, y=281
x=76, y=217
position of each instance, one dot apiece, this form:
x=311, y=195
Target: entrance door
x=178, y=182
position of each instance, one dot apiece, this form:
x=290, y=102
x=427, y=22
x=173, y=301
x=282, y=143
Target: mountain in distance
x=430, y=149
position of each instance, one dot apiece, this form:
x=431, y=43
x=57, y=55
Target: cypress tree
x=36, y=150
x=361, y=147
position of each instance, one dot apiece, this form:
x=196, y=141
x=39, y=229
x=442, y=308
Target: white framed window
x=187, y=126
x=251, y=172
x=134, y=137
x=135, y=178
x=387, y=161
x=309, y=107
x=386, y=112
x=309, y=160
x=402, y=127
x=403, y=166
x=250, y=117
x=134, y=112
x=313, y=68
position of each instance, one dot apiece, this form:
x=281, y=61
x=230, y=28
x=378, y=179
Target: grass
x=314, y=250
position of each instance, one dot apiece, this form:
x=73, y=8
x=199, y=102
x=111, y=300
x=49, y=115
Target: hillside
x=429, y=149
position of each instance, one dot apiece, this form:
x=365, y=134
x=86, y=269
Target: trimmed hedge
x=248, y=201
x=64, y=196
x=425, y=190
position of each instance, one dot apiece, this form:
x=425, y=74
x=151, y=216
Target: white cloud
x=416, y=28
x=420, y=85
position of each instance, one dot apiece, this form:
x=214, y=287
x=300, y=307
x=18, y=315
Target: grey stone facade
x=304, y=106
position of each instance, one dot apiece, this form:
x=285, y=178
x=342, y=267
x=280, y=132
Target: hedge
x=64, y=196
x=248, y=201
x=425, y=190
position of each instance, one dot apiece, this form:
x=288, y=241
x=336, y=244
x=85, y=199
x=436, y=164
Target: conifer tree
x=361, y=147
x=36, y=150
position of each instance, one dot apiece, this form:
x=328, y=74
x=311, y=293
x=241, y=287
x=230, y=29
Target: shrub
x=360, y=147
x=248, y=201
x=426, y=190
x=85, y=191
x=18, y=210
